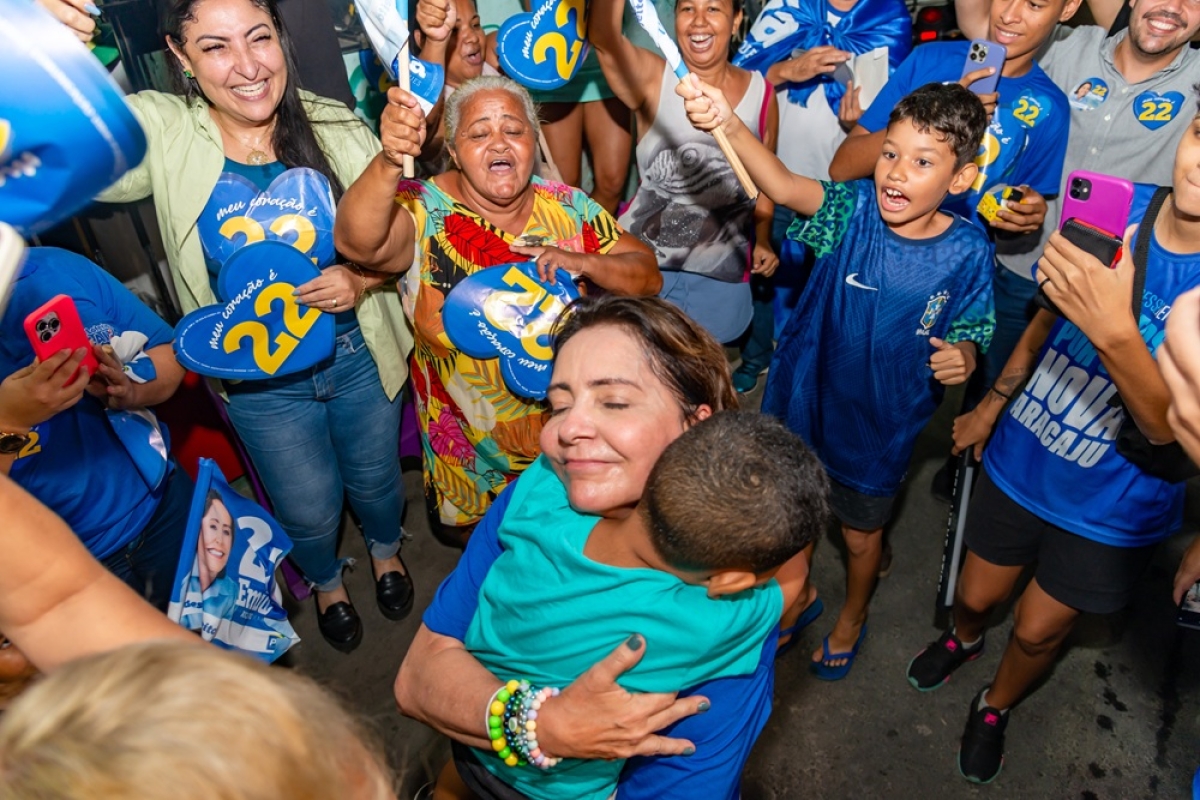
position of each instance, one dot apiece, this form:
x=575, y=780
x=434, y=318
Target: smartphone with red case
x=1099, y=201
x=55, y=327
x=982, y=54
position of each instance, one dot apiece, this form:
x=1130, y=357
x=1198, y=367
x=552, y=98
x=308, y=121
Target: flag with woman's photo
x=225, y=585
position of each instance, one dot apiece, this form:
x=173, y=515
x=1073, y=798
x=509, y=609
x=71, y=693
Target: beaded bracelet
x=512, y=724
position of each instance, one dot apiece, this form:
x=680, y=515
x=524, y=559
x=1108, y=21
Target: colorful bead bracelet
x=512, y=724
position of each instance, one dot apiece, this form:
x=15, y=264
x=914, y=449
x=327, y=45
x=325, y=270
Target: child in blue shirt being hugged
x=898, y=305
x=690, y=570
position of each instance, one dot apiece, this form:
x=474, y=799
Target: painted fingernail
x=634, y=642
x=91, y=9
x=704, y=706
x=688, y=751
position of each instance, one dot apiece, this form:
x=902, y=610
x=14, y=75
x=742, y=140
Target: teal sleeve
x=976, y=319
x=823, y=231
x=744, y=621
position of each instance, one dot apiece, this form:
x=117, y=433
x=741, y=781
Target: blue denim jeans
x=148, y=563
x=317, y=437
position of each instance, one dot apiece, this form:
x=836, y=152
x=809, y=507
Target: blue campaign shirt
x=850, y=372
x=1026, y=141
x=1054, y=452
x=723, y=736
x=75, y=464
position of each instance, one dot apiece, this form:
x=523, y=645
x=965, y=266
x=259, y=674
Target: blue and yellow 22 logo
x=1154, y=110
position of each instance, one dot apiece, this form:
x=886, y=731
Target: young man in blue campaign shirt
x=1056, y=490
x=85, y=445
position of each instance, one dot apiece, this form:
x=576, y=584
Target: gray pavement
x=1117, y=718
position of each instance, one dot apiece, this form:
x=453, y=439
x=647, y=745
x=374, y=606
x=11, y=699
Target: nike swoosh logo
x=852, y=279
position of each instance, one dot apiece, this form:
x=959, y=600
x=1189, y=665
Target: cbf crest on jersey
x=65, y=132
x=933, y=310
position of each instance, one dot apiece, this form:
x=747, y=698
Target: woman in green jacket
x=240, y=124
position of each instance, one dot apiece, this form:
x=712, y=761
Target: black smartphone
x=1090, y=239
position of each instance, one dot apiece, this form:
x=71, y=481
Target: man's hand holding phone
x=1025, y=215
x=990, y=99
x=1088, y=293
x=35, y=393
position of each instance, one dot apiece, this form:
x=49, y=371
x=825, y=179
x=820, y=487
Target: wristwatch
x=12, y=443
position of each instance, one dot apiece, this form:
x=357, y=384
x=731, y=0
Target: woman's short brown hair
x=684, y=356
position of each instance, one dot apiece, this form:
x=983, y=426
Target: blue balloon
x=65, y=131
x=506, y=312
x=261, y=331
x=543, y=49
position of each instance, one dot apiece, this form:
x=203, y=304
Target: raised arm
x=708, y=109
x=371, y=228
x=634, y=74
x=57, y=603
x=972, y=16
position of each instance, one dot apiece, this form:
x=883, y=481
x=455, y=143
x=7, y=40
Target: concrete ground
x=1117, y=718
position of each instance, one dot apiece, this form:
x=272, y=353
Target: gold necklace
x=257, y=156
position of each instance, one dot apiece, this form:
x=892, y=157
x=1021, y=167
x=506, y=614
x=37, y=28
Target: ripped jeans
x=316, y=437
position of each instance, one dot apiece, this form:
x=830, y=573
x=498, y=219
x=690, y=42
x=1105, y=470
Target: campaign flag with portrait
x=225, y=586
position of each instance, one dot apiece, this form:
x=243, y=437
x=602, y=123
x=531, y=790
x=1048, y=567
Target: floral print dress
x=476, y=435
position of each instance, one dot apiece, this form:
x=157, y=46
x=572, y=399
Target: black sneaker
x=932, y=667
x=981, y=753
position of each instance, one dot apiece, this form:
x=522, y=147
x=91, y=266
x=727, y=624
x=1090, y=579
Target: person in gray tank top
x=707, y=234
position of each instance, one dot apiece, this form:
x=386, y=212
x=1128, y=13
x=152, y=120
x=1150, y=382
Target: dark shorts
x=863, y=512
x=1078, y=572
x=484, y=784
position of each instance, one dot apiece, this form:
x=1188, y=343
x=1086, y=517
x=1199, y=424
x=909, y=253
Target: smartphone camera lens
x=47, y=327
x=1081, y=188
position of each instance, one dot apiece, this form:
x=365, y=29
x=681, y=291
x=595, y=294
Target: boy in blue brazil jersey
x=691, y=570
x=899, y=303
x=1057, y=490
x=1025, y=147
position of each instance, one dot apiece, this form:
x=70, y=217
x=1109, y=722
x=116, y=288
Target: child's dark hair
x=735, y=491
x=949, y=110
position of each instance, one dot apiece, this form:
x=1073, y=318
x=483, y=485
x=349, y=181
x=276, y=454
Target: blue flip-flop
x=827, y=672
x=808, y=617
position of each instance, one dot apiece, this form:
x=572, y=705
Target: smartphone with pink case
x=1098, y=200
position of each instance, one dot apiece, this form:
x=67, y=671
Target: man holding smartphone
x=1059, y=492
x=1130, y=101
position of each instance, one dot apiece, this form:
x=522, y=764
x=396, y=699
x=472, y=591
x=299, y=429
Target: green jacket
x=184, y=158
